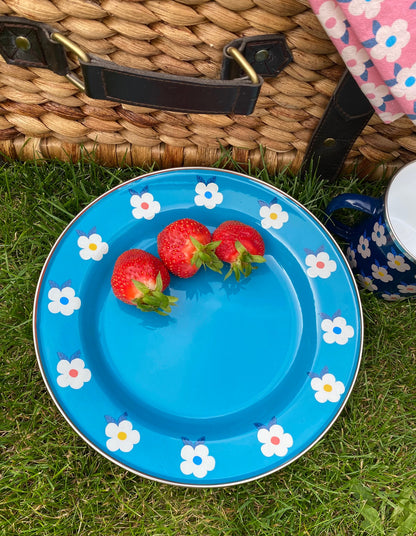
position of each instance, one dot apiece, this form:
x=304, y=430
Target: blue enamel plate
x=241, y=378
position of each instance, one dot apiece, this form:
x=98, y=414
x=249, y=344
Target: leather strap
x=347, y=113
x=30, y=44
x=109, y=81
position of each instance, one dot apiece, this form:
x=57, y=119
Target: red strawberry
x=240, y=245
x=185, y=245
x=139, y=278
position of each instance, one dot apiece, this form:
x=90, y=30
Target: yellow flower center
x=397, y=263
x=380, y=273
x=93, y=247
x=122, y=436
x=327, y=388
x=273, y=216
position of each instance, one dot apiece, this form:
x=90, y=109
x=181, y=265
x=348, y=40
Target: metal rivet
x=329, y=142
x=261, y=55
x=22, y=42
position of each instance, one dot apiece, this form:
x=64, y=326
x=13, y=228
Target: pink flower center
x=320, y=264
x=352, y=62
x=274, y=440
x=331, y=22
x=144, y=205
x=73, y=373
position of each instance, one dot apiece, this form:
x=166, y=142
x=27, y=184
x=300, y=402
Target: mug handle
x=364, y=203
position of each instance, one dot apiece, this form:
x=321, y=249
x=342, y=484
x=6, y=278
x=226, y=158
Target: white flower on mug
x=352, y=261
x=397, y=262
x=405, y=288
x=121, y=434
x=327, y=387
x=378, y=234
x=367, y=282
x=388, y=296
x=336, y=329
x=363, y=247
x=381, y=273
x=143, y=203
x=197, y=460
x=276, y=442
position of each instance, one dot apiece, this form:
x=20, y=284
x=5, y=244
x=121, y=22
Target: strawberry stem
x=154, y=300
x=204, y=255
x=243, y=263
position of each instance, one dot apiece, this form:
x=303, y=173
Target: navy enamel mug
x=382, y=247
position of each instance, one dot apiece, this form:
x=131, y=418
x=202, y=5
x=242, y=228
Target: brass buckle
x=81, y=55
x=244, y=64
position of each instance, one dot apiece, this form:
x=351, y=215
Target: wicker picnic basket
x=44, y=115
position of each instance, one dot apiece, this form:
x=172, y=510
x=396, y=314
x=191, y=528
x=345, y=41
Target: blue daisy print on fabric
x=208, y=194
x=406, y=288
x=91, y=245
x=333, y=20
x=62, y=298
x=404, y=82
x=121, y=434
x=327, y=387
x=367, y=282
x=72, y=371
x=388, y=41
x=144, y=204
x=335, y=328
x=275, y=441
x=197, y=460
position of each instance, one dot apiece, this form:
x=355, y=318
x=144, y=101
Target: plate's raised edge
x=135, y=471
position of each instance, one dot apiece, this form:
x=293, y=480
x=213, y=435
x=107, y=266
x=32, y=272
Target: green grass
x=358, y=480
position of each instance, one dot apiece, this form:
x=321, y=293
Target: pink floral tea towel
x=377, y=41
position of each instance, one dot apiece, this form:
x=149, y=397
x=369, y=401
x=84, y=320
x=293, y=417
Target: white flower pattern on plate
x=276, y=442
x=272, y=214
x=327, y=388
x=196, y=458
x=143, y=203
x=320, y=265
x=72, y=371
x=336, y=330
x=91, y=245
x=121, y=433
x=207, y=192
x=62, y=298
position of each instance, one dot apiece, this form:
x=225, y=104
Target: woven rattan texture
x=44, y=115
